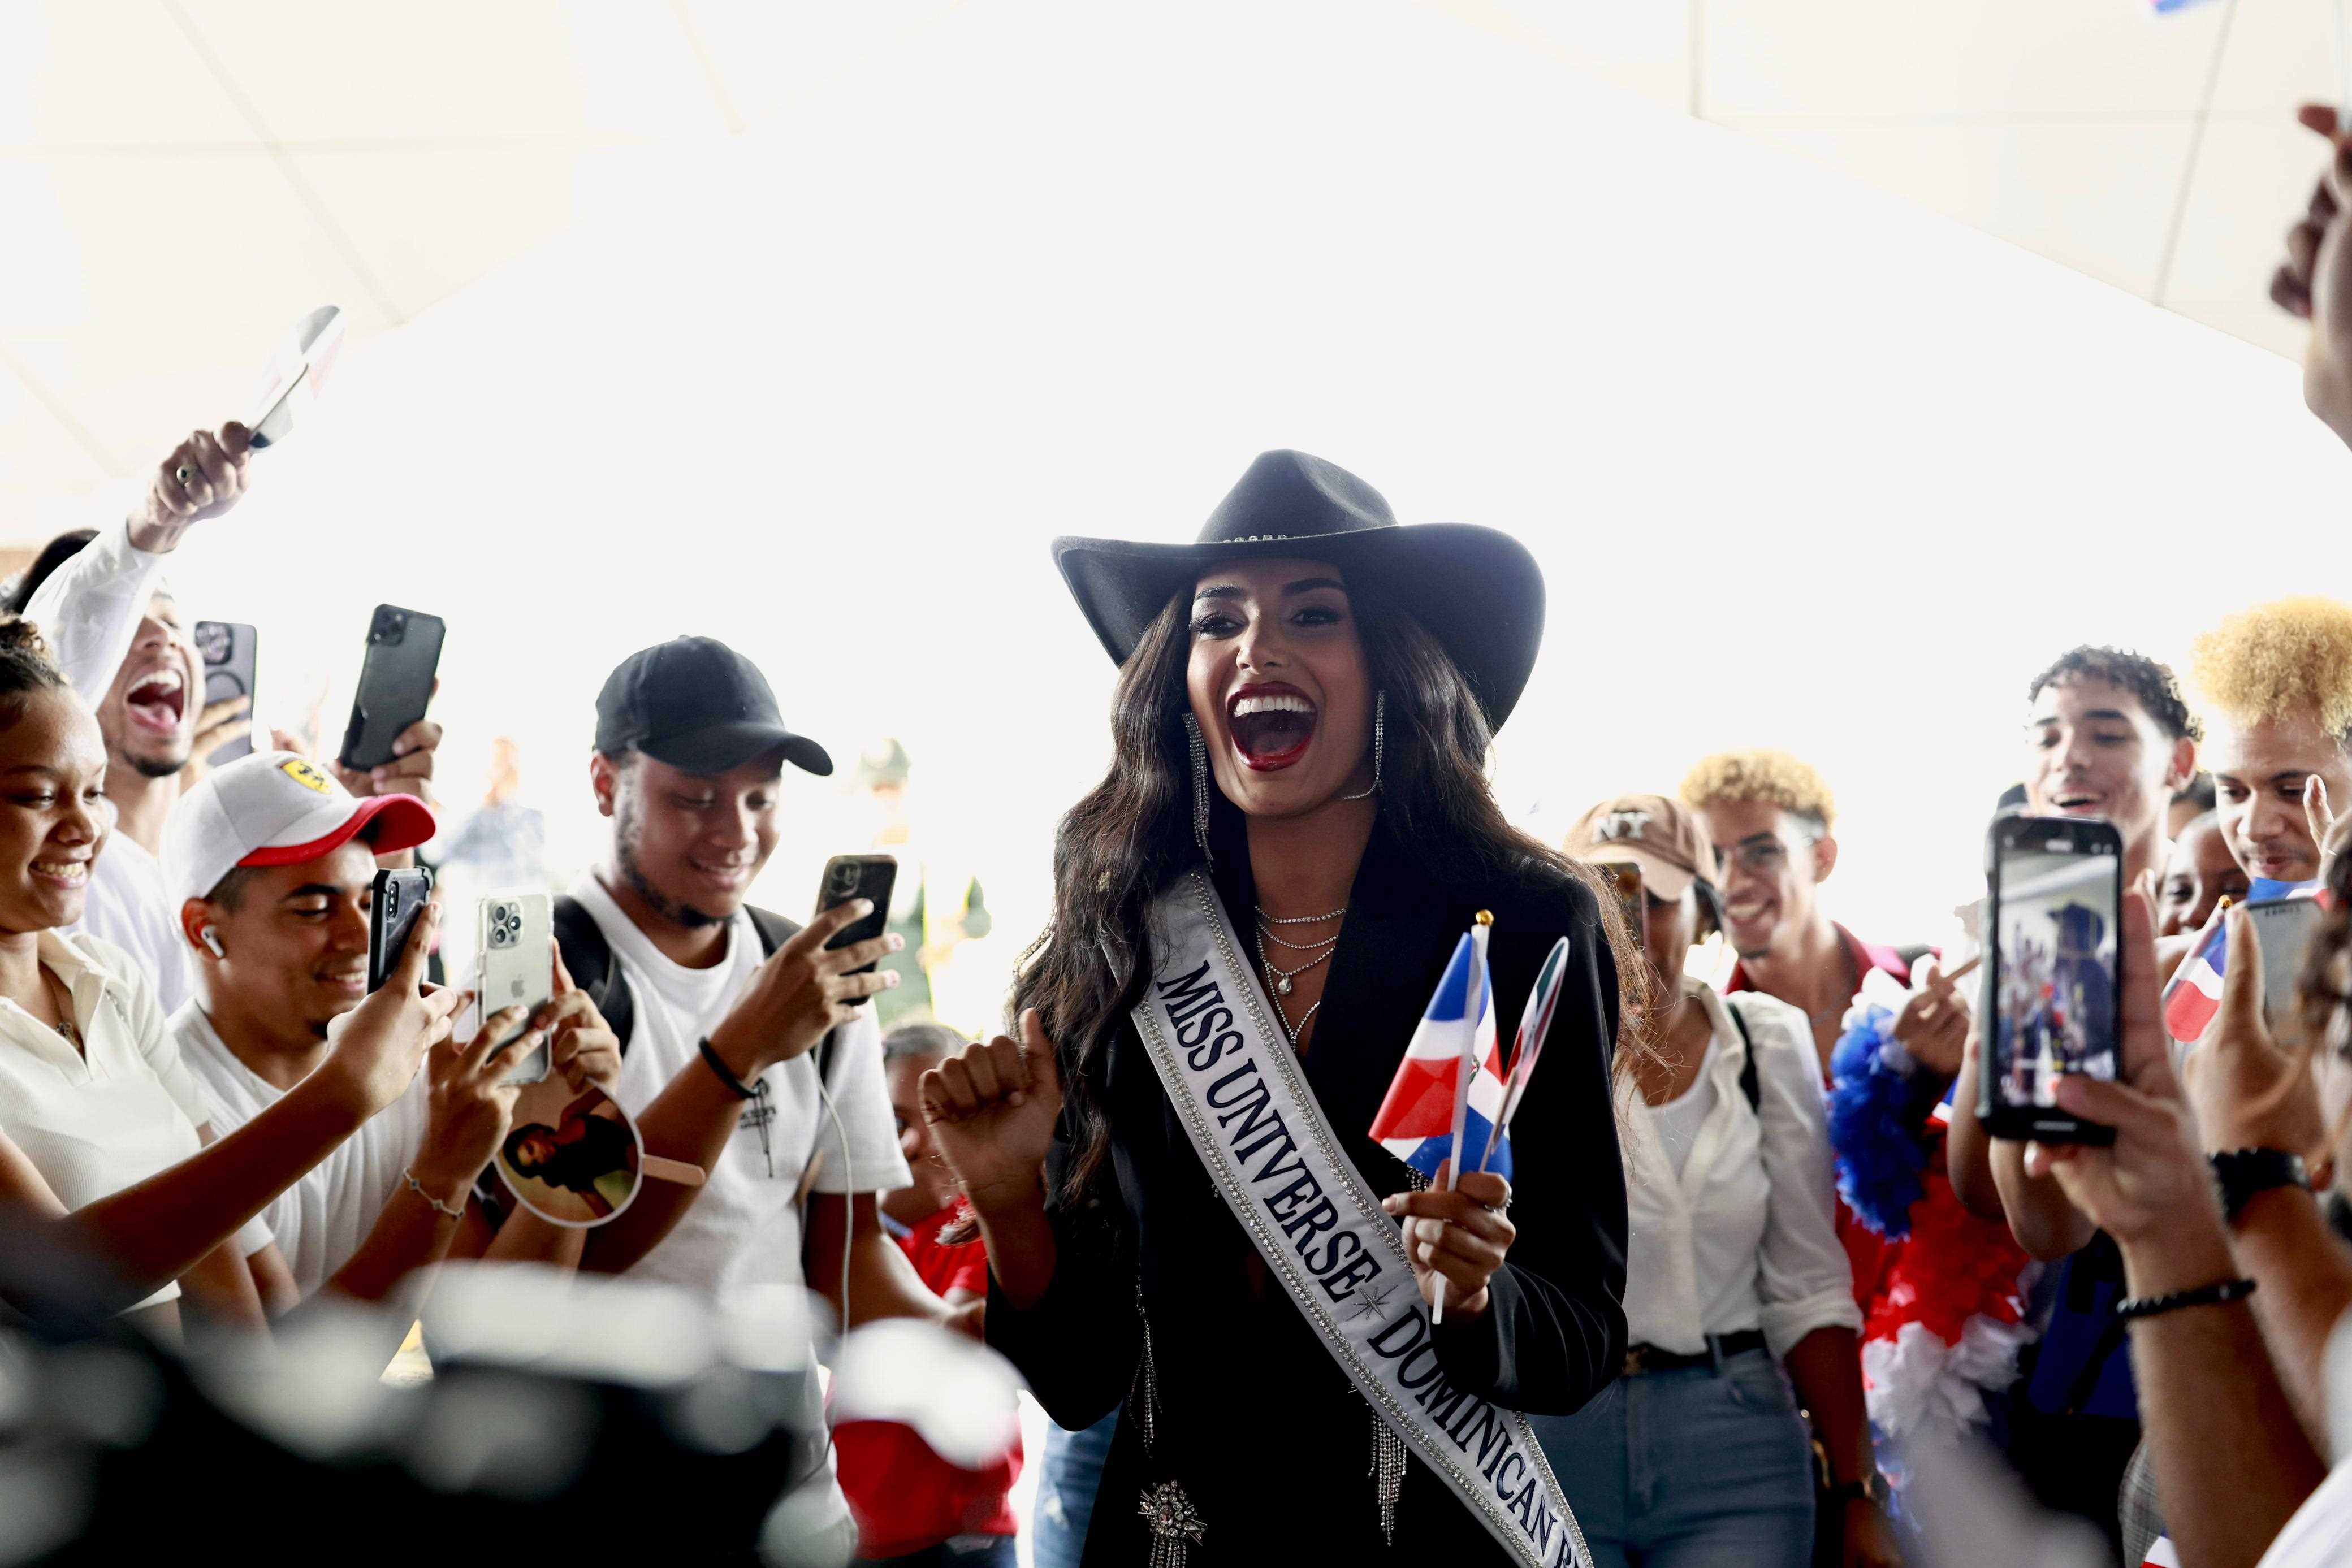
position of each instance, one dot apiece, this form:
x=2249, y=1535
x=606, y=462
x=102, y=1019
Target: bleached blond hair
x=2290, y=656
x=1774, y=776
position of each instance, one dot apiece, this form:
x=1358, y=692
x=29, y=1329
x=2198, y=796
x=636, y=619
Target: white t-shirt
x=1742, y=1233
x=130, y=906
x=2319, y=1535
x=320, y=1220
x=112, y=1114
x=744, y=1230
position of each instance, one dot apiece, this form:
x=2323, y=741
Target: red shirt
x=905, y=1497
x=1868, y=1252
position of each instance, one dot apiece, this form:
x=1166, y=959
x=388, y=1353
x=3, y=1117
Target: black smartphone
x=404, y=650
x=1624, y=879
x=858, y=876
x=226, y=648
x=396, y=900
x=2282, y=928
x=2053, y=983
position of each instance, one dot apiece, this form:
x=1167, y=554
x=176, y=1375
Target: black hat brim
x=1477, y=589
x=722, y=747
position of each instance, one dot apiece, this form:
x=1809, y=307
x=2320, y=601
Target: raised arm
x=2232, y=1463
x=1062, y=1292
x=89, y=606
x=1989, y=1175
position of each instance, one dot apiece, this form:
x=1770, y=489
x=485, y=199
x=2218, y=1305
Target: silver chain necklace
x=1297, y=919
x=1282, y=977
x=1298, y=947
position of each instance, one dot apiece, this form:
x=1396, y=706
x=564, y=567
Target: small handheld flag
x=1448, y=1090
x=298, y=374
x=2194, y=996
x=1534, y=1024
x=1415, y=1121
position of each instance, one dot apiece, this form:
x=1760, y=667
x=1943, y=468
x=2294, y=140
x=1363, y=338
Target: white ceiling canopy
x=184, y=177
x=1805, y=464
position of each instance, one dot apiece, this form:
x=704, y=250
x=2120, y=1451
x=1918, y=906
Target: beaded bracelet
x=417, y=1187
x=2220, y=1294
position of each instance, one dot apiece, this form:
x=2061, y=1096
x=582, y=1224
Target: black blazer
x=1249, y=1399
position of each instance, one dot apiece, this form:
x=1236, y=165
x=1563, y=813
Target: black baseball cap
x=696, y=704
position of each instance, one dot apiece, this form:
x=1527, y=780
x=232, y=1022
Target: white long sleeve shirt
x=1745, y=1236
x=90, y=608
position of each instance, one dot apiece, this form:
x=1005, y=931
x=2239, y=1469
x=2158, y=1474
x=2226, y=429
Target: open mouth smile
x=1271, y=726
x=67, y=874
x=158, y=702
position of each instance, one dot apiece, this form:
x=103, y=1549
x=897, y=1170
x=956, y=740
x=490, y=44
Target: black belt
x=1641, y=1358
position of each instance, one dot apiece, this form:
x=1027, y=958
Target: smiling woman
x=92, y=1091
x=1265, y=888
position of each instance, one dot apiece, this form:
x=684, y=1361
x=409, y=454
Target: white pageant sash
x=1233, y=1078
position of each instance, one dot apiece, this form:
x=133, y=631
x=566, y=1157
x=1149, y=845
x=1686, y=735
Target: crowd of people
x=1753, y=1266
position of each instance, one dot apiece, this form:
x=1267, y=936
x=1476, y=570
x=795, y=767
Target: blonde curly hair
x=2294, y=656
x=1774, y=776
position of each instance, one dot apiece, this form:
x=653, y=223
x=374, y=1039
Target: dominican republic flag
x=2194, y=994
x=1417, y=1121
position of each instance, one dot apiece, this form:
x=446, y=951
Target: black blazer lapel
x=1391, y=953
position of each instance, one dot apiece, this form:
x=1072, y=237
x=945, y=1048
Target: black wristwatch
x=2243, y=1173
x=1871, y=1489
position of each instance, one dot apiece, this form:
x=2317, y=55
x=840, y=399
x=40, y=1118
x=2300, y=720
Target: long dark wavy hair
x=1132, y=834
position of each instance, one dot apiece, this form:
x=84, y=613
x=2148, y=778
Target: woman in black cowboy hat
x=1297, y=801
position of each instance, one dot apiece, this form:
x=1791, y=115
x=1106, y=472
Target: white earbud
x=210, y=937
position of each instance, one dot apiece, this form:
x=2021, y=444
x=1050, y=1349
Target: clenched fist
x=992, y=1108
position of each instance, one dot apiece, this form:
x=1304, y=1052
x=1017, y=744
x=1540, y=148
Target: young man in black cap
x=690, y=767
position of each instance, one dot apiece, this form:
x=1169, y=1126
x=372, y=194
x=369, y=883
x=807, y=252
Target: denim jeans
x=1689, y=1469
x=1067, y=1476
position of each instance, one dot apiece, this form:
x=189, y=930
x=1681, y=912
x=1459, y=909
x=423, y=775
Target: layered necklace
x=1278, y=979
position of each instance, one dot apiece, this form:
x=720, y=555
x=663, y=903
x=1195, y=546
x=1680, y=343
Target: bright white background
x=1805, y=467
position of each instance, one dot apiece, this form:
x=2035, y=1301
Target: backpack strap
x=588, y=958
x=1749, y=1085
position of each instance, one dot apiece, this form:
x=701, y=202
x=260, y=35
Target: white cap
x=273, y=808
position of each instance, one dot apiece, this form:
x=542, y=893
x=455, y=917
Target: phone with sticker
x=395, y=901
x=517, y=969
x=226, y=648
x=858, y=876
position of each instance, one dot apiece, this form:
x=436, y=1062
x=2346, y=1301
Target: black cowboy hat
x=1477, y=591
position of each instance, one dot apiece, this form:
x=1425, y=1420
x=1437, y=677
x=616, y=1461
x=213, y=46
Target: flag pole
x=1473, y=1007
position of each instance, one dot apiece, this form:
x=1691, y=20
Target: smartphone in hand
x=403, y=651
x=858, y=876
x=2282, y=928
x=517, y=969
x=395, y=901
x=2054, y=889
x=226, y=648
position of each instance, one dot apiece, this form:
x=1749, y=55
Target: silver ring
x=183, y=473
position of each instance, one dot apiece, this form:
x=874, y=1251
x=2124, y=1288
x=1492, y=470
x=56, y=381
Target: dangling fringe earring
x=1199, y=750
x=1379, y=744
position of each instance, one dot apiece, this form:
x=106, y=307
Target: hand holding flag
x=1447, y=1094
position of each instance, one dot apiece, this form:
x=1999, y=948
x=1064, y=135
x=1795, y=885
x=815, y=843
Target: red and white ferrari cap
x=273, y=808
